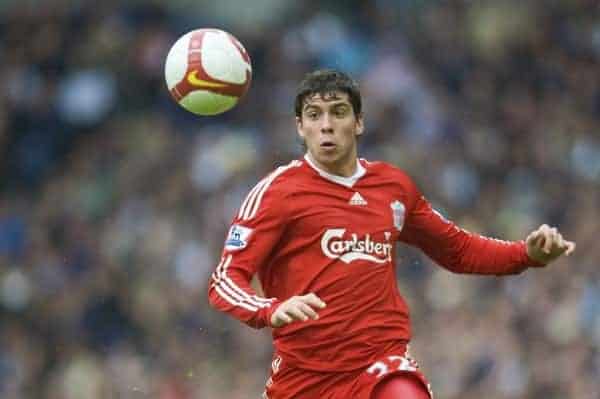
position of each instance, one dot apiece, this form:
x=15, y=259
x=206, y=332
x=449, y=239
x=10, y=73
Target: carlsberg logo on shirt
x=350, y=249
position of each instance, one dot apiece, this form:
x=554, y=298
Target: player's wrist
x=269, y=312
x=530, y=260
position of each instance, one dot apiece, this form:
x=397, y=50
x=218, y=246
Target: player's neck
x=343, y=168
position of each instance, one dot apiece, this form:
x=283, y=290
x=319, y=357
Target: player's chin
x=330, y=153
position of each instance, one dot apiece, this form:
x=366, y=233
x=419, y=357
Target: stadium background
x=114, y=202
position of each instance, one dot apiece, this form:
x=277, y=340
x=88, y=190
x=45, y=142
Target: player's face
x=329, y=128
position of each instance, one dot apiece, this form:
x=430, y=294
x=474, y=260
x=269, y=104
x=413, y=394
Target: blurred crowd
x=114, y=201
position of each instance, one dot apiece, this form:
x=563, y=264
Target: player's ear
x=360, y=126
x=299, y=126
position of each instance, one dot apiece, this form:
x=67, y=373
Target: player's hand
x=297, y=308
x=546, y=244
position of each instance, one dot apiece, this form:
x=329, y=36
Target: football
x=207, y=71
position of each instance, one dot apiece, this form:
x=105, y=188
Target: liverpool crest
x=398, y=210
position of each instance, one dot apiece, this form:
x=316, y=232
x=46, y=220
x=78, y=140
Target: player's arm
x=464, y=252
x=253, y=234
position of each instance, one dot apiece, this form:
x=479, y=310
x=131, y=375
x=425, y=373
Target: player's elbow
x=213, y=296
x=460, y=267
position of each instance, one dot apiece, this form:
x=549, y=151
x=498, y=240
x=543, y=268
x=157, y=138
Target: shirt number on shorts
x=392, y=363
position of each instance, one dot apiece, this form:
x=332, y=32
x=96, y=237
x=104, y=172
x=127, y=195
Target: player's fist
x=546, y=244
x=297, y=308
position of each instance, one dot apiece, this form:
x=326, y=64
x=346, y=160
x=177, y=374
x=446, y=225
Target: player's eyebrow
x=340, y=104
x=327, y=104
x=309, y=106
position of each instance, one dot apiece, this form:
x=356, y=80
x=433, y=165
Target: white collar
x=344, y=181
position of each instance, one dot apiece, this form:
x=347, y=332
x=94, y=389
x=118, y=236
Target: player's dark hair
x=324, y=82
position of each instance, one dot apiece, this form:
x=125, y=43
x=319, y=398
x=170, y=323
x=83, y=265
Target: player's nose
x=326, y=125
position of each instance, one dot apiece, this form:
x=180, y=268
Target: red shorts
x=291, y=383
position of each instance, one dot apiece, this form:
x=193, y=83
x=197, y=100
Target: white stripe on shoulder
x=249, y=201
x=251, y=205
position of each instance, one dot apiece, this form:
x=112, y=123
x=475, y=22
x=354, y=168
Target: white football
x=208, y=71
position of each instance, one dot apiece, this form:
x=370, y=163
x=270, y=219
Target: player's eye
x=312, y=114
x=341, y=111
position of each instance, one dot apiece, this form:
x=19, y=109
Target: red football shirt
x=303, y=230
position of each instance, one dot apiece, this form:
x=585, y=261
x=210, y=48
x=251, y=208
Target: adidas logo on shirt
x=357, y=199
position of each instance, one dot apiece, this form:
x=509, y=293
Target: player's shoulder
x=282, y=178
x=385, y=170
x=269, y=191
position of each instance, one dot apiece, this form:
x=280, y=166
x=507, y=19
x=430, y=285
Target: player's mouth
x=327, y=145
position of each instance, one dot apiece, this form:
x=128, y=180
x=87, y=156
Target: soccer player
x=321, y=233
